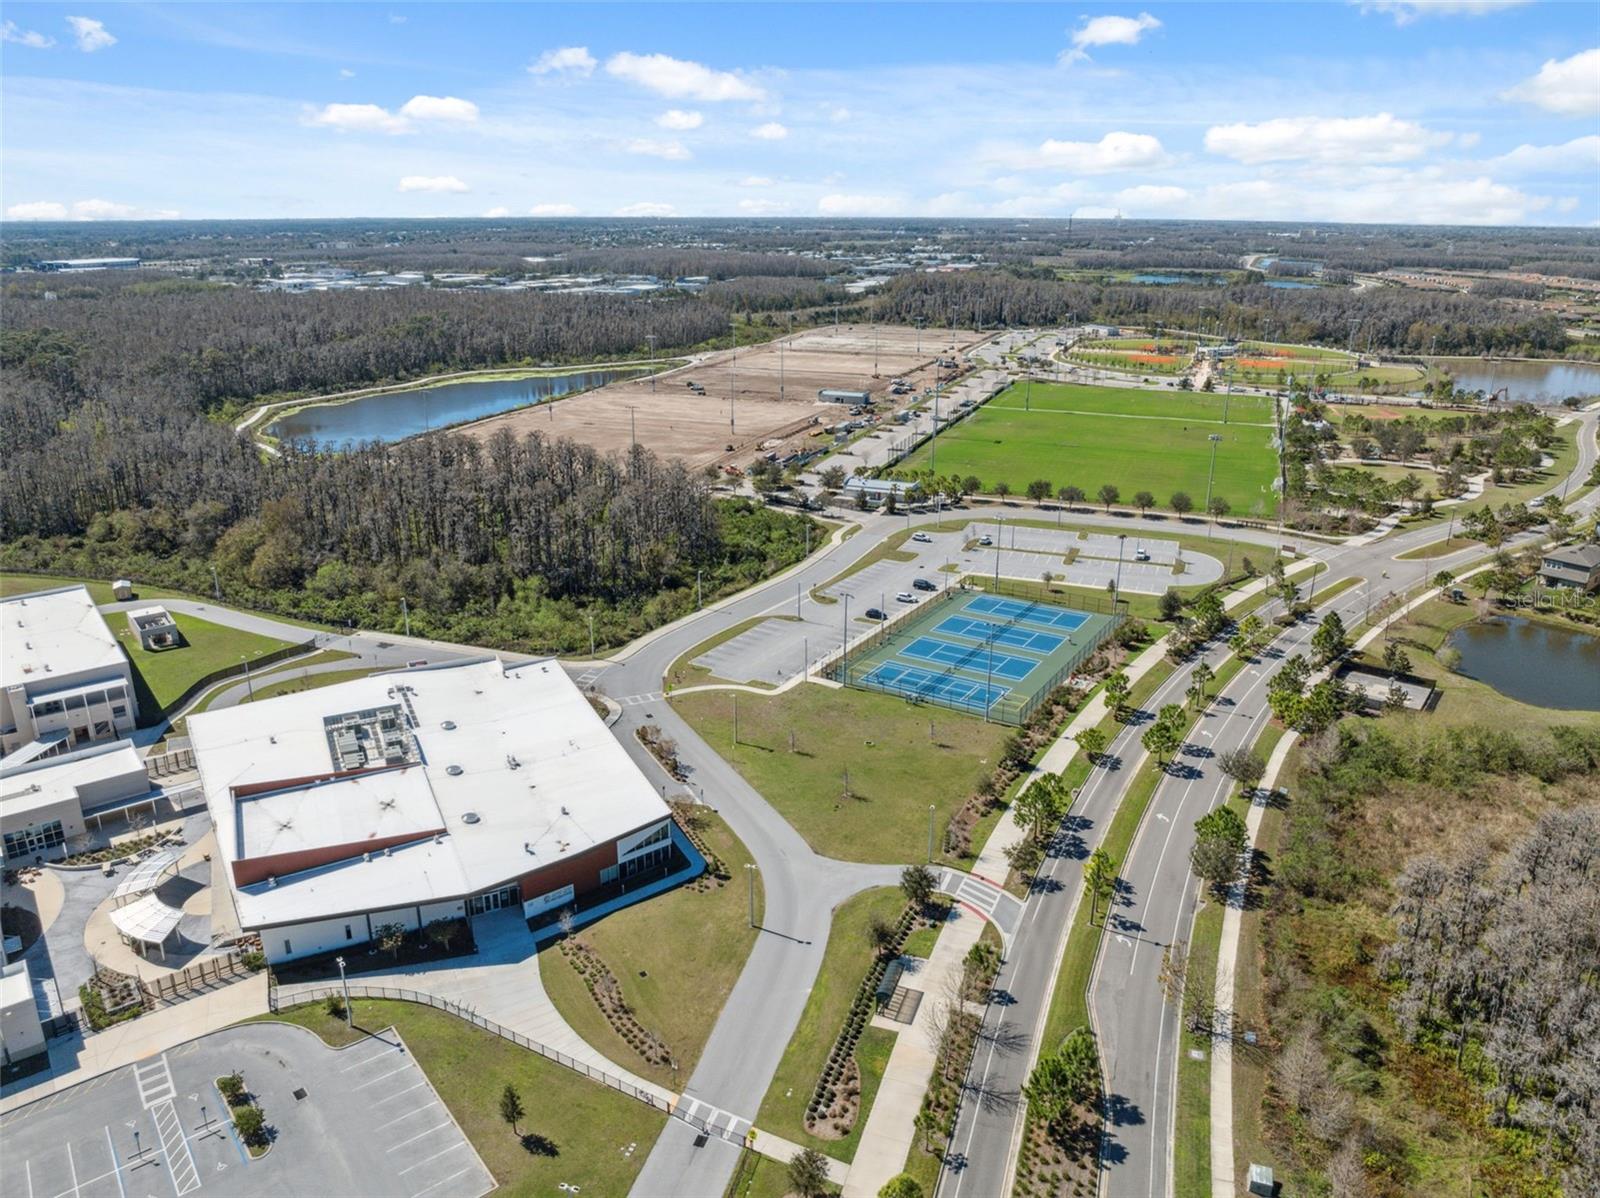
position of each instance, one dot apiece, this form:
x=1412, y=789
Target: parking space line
x=419, y=1135
x=116, y=1165
x=72, y=1165
x=381, y=1076
x=377, y=1056
x=441, y=1181
x=408, y=1114
x=27, y=1167
x=460, y=1143
x=398, y=1093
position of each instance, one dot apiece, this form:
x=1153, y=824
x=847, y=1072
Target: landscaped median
x=644, y=985
x=589, y=1137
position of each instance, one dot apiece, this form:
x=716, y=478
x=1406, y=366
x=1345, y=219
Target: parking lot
x=346, y=1123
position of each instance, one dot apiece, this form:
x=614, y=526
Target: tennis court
x=983, y=657
x=990, y=655
x=1028, y=613
x=1003, y=635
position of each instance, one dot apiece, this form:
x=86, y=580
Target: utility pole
x=344, y=983
x=733, y=371
x=736, y=717
x=1211, y=474
x=844, y=649
x=651, y=338
x=1116, y=587
x=405, y=614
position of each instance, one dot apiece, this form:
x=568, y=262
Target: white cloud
x=771, y=131
x=437, y=183
x=346, y=73
x=677, y=118
x=677, y=78
x=839, y=116
x=860, y=205
x=37, y=210
x=755, y=181
x=439, y=108
x=25, y=37
x=372, y=118
x=553, y=210
x=1151, y=197
x=1116, y=151
x=85, y=210
x=644, y=208
x=1424, y=196
x=1468, y=141
x=497, y=211
x=673, y=151
x=574, y=59
x=1406, y=11
x=1380, y=138
x=1580, y=156
x=753, y=207
x=91, y=34
x=1570, y=86
x=1108, y=31
x=396, y=19
x=358, y=118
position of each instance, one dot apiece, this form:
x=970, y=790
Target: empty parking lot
x=357, y=1121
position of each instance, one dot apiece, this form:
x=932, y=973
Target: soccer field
x=1136, y=440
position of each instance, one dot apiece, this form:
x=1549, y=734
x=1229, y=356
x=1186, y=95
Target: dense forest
x=1433, y=965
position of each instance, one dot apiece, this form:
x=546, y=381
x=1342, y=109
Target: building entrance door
x=482, y=904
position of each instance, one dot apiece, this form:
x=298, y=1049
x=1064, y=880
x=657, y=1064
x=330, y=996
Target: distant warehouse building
x=423, y=794
x=68, y=264
x=832, y=395
x=64, y=680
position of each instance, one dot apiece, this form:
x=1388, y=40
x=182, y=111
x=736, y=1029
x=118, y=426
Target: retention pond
x=1532, y=662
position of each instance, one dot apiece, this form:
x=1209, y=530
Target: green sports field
x=1136, y=440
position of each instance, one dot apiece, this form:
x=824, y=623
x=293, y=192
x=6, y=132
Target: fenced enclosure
x=995, y=654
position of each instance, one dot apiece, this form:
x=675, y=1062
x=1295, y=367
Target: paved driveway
x=348, y=1123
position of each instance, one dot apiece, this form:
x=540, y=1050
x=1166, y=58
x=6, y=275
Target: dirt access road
x=770, y=388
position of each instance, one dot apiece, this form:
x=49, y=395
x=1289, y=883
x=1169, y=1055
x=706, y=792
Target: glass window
x=608, y=874
x=116, y=692
x=48, y=707
x=95, y=698
x=287, y=947
x=119, y=711
x=102, y=728
x=74, y=702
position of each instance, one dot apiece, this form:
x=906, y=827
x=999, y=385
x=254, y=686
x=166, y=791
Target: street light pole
x=1116, y=587
x=344, y=984
x=247, y=684
x=405, y=614
x=750, y=877
x=930, y=832
x=1214, y=438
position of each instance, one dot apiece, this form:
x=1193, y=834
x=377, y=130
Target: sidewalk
x=75, y=1059
x=501, y=982
x=891, y=1124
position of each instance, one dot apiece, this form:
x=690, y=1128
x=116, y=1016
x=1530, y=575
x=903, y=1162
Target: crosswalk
x=589, y=676
x=156, y=1092
x=974, y=892
x=711, y=1119
x=640, y=700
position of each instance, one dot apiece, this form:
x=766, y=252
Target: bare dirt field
x=771, y=390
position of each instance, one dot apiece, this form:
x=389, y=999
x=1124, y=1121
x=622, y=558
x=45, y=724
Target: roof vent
x=448, y=725
x=453, y=770
x=272, y=883
x=470, y=817
x=366, y=856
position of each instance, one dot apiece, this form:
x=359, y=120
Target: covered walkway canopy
x=147, y=874
x=147, y=921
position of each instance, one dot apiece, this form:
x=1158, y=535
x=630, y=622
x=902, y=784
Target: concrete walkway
x=500, y=982
x=892, y=1123
x=77, y=1058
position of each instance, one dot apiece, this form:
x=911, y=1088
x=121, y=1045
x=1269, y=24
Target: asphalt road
x=1138, y=1030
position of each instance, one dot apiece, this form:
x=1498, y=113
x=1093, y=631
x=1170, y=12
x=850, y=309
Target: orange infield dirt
x=774, y=405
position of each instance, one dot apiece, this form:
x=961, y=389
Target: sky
x=1395, y=111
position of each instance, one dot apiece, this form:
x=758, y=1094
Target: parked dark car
x=875, y=613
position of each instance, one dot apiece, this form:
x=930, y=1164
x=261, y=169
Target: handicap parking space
x=358, y=1121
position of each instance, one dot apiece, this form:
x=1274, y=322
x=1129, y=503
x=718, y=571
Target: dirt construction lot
x=772, y=388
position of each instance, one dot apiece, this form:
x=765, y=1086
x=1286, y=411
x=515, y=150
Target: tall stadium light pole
x=216, y=586
x=988, y=694
x=1116, y=587
x=931, y=809
x=405, y=614
x=844, y=649
x=1211, y=474
x=651, y=338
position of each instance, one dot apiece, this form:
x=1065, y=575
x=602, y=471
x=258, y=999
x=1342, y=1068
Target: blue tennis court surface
x=1009, y=636
x=974, y=657
x=925, y=684
x=1029, y=613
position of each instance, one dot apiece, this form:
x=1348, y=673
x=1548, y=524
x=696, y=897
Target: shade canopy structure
x=147, y=920
x=147, y=874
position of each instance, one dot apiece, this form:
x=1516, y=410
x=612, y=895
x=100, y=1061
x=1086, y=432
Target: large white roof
x=513, y=764
x=52, y=636
x=45, y=782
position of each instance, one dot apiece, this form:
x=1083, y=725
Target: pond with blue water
x=400, y=414
x=1531, y=661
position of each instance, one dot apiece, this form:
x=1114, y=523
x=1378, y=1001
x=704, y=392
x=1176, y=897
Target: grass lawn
x=1136, y=440
x=162, y=677
x=920, y=943
x=760, y=1176
x=99, y=591
x=288, y=682
x=1436, y=549
x=844, y=964
x=896, y=769
x=677, y=957
x=589, y=1125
